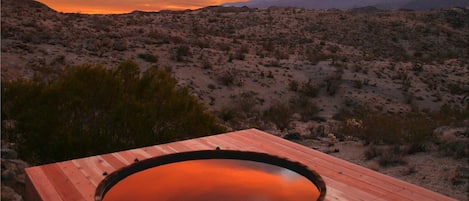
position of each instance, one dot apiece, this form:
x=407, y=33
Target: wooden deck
x=77, y=179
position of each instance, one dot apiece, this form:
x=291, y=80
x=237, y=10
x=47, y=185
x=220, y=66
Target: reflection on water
x=214, y=179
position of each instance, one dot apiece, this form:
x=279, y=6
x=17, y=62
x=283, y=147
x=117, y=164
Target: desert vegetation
x=394, y=84
x=89, y=110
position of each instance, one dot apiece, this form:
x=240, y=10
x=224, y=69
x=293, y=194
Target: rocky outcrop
x=13, y=174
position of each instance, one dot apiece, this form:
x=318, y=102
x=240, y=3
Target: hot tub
x=213, y=175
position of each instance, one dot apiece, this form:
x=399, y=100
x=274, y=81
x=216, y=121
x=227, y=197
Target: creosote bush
x=148, y=57
x=279, y=113
x=414, y=129
x=90, y=110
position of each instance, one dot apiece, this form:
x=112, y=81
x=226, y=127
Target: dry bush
x=148, y=57
x=391, y=156
x=314, y=55
x=377, y=128
x=293, y=85
x=179, y=53
x=371, y=152
x=305, y=107
x=385, y=155
x=333, y=82
x=279, y=113
x=246, y=103
x=309, y=89
x=230, y=77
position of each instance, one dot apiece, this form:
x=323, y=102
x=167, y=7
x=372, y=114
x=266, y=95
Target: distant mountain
x=435, y=4
x=350, y=4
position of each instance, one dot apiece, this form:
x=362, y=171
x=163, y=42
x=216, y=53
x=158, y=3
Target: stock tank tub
x=213, y=175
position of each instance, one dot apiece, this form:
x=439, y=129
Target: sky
x=126, y=6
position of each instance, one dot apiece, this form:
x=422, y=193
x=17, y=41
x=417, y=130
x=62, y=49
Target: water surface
x=214, y=179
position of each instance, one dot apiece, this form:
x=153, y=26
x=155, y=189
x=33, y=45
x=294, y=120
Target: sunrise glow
x=126, y=6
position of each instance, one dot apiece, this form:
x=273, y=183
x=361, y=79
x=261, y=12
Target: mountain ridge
x=346, y=5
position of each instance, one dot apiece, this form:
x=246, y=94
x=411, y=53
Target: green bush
x=90, y=110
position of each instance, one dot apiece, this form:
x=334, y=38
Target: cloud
x=116, y=6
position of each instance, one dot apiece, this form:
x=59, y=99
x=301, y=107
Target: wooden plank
x=44, y=187
x=360, y=190
x=94, y=175
x=128, y=158
x=79, y=180
x=405, y=187
x=113, y=161
x=307, y=158
x=63, y=185
x=31, y=193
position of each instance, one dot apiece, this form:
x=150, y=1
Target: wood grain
x=77, y=179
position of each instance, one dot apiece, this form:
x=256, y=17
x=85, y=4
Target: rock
x=8, y=175
x=10, y=194
x=13, y=171
x=9, y=154
x=461, y=175
x=293, y=136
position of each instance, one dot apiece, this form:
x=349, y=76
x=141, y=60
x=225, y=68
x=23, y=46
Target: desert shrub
x=385, y=155
x=305, y=107
x=374, y=127
x=226, y=78
x=178, y=53
x=456, y=89
x=455, y=19
x=371, y=152
x=314, y=55
x=230, y=77
x=391, y=156
x=148, y=57
x=279, y=113
x=90, y=110
x=293, y=85
x=246, y=103
x=357, y=84
x=309, y=89
x=351, y=109
x=333, y=82
x=238, y=55
x=456, y=148
x=227, y=114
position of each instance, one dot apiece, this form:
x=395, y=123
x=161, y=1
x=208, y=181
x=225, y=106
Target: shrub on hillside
x=148, y=57
x=305, y=107
x=280, y=114
x=309, y=89
x=90, y=110
x=374, y=127
x=179, y=53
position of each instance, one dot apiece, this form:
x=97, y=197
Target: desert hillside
x=293, y=72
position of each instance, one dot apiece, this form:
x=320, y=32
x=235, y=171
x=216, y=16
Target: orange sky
x=203, y=180
x=126, y=6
